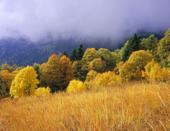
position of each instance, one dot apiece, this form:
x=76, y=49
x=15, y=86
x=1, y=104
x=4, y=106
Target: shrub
x=42, y=91
x=76, y=86
x=154, y=72
x=106, y=79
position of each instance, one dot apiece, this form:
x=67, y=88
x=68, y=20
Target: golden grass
x=136, y=106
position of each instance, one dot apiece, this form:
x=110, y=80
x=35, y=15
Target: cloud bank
x=36, y=19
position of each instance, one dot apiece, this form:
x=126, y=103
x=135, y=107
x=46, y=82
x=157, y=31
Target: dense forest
x=140, y=59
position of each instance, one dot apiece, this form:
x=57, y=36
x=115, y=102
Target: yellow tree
x=50, y=73
x=90, y=54
x=98, y=65
x=132, y=68
x=24, y=83
x=66, y=72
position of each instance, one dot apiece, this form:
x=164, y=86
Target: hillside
x=133, y=106
x=24, y=52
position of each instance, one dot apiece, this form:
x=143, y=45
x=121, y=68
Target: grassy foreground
x=135, y=106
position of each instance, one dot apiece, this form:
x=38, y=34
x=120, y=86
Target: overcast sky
x=113, y=19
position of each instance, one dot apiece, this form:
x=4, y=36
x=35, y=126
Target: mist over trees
x=140, y=58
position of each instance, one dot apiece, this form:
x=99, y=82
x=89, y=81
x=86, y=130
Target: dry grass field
x=133, y=107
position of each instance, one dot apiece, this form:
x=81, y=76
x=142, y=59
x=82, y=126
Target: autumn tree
x=50, y=73
x=8, y=67
x=132, y=68
x=90, y=54
x=91, y=75
x=116, y=56
x=140, y=58
x=98, y=65
x=66, y=73
x=6, y=78
x=163, y=50
x=106, y=56
x=80, y=70
x=24, y=83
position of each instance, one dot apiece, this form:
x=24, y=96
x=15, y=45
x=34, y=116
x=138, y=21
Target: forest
x=129, y=85
x=140, y=59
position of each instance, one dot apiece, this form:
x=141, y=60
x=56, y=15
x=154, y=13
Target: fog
x=114, y=19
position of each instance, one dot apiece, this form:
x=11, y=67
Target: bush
x=154, y=72
x=76, y=86
x=106, y=79
x=42, y=91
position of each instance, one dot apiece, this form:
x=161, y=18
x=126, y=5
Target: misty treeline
x=146, y=59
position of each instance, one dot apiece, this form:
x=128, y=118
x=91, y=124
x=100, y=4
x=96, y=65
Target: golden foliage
x=91, y=75
x=90, y=54
x=66, y=72
x=7, y=77
x=24, y=83
x=133, y=107
x=97, y=64
x=106, y=79
x=154, y=72
x=133, y=67
x=140, y=58
x=76, y=86
x=50, y=71
x=42, y=91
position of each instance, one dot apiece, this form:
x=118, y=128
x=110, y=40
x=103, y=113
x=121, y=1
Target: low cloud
x=114, y=19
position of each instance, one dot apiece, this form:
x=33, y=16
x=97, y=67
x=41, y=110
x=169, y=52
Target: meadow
x=125, y=107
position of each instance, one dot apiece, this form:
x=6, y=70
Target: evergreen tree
x=77, y=54
x=131, y=45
